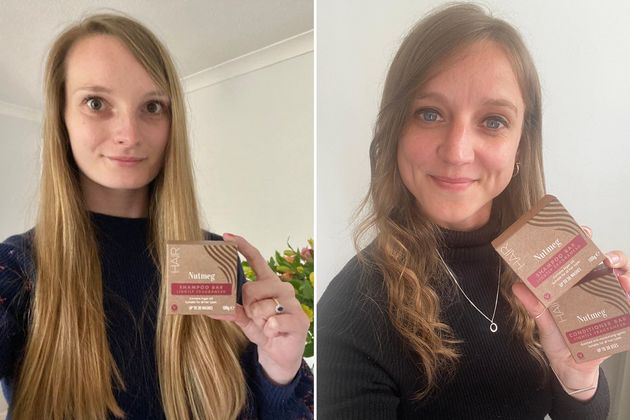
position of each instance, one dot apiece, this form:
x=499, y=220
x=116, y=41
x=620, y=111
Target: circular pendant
x=493, y=327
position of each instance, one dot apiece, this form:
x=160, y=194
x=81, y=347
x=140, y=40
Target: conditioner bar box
x=594, y=316
x=548, y=250
x=201, y=277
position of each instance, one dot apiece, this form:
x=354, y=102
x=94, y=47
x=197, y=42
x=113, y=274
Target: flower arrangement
x=295, y=266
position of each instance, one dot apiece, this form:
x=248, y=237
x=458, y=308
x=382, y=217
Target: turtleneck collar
x=482, y=236
x=126, y=231
x=119, y=222
x=109, y=218
x=471, y=246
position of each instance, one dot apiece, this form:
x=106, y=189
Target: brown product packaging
x=594, y=316
x=201, y=277
x=548, y=250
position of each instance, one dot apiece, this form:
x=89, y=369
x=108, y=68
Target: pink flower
x=307, y=254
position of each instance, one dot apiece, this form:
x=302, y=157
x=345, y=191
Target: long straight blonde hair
x=67, y=370
x=406, y=240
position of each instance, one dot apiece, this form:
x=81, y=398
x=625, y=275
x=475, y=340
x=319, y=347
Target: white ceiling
x=199, y=34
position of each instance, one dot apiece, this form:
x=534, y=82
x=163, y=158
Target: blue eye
x=495, y=123
x=428, y=115
x=94, y=103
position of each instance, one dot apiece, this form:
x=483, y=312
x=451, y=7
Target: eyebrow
x=97, y=89
x=101, y=89
x=504, y=103
x=156, y=93
x=501, y=103
x=431, y=95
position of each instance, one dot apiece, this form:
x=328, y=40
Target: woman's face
x=116, y=116
x=458, y=148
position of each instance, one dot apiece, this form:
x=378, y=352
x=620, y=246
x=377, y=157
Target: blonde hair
x=406, y=240
x=68, y=370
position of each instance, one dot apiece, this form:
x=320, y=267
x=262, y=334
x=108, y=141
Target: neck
x=132, y=203
x=470, y=223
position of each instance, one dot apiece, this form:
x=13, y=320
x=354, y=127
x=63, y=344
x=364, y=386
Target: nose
x=126, y=130
x=457, y=148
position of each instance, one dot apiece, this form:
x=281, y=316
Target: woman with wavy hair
x=83, y=330
x=427, y=322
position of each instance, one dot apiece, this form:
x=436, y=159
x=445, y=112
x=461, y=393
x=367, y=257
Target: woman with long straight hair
x=83, y=326
x=427, y=322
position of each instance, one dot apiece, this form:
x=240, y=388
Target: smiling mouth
x=125, y=160
x=452, y=184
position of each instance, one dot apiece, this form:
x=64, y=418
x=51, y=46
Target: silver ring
x=279, y=308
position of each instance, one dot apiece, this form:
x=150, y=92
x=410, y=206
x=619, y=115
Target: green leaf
x=309, y=349
x=307, y=290
x=297, y=285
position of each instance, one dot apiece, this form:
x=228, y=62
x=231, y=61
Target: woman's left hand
x=279, y=335
x=571, y=375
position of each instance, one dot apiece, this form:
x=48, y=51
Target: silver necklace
x=493, y=325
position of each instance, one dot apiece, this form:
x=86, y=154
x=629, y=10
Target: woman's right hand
x=572, y=375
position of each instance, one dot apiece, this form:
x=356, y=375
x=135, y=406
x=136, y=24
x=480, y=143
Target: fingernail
x=588, y=230
x=612, y=258
x=228, y=234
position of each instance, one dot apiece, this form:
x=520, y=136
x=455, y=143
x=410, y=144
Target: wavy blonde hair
x=68, y=370
x=405, y=244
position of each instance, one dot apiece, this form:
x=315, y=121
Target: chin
x=127, y=185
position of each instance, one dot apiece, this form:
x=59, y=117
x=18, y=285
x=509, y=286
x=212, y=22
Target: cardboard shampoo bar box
x=548, y=250
x=201, y=277
x=551, y=254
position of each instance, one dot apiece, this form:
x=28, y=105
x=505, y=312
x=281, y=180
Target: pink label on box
x=201, y=288
x=557, y=261
x=595, y=330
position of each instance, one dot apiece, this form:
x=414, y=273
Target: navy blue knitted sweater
x=130, y=290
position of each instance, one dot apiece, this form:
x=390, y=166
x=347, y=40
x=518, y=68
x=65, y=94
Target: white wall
x=19, y=170
x=253, y=148
x=582, y=55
